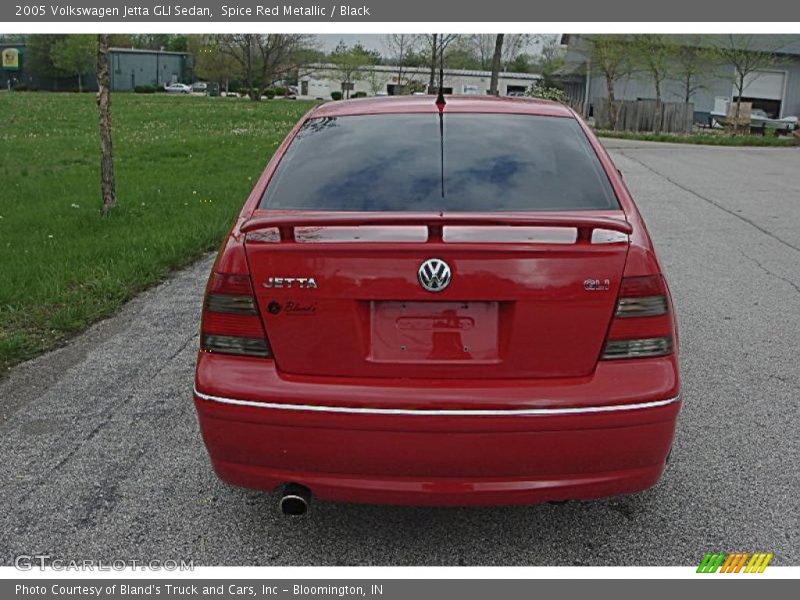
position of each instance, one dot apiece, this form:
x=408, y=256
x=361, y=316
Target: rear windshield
x=413, y=162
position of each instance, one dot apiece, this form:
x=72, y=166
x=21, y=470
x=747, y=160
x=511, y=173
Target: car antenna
x=440, y=103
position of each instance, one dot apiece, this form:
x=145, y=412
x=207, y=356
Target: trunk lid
x=529, y=295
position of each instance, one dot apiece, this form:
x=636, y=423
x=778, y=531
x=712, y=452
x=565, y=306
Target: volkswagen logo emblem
x=434, y=275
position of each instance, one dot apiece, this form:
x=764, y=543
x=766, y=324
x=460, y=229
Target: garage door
x=766, y=85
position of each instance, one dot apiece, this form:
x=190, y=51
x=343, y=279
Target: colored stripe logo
x=735, y=562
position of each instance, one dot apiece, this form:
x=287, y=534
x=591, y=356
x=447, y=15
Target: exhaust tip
x=295, y=500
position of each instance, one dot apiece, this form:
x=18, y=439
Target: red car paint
x=490, y=392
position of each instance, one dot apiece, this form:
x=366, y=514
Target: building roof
x=454, y=104
x=22, y=45
x=425, y=71
x=146, y=51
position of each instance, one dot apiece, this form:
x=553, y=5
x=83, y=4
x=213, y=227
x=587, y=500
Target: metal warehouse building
x=776, y=89
x=322, y=79
x=128, y=68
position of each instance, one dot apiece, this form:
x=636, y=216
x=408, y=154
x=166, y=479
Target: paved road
x=102, y=456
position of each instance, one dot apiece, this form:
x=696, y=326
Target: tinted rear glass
x=399, y=162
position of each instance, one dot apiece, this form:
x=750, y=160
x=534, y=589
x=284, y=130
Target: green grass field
x=184, y=166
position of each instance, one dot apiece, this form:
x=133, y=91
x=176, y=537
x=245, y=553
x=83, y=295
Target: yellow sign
x=11, y=59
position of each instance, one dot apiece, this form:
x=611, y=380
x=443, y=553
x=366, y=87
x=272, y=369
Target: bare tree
x=399, y=46
x=263, y=59
x=483, y=46
x=748, y=54
x=437, y=46
x=693, y=62
x=610, y=55
x=513, y=45
x=496, y=62
x=107, y=185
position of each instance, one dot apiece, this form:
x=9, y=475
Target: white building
x=322, y=79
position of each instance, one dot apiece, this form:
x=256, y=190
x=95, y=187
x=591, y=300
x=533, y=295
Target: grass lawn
x=706, y=138
x=184, y=166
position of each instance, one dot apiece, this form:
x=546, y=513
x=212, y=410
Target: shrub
x=537, y=90
x=145, y=89
x=281, y=91
x=270, y=93
x=359, y=95
x=336, y=95
x=22, y=87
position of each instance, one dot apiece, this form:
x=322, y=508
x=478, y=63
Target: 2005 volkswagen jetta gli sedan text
x=439, y=304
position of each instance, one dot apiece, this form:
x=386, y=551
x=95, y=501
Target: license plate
x=434, y=332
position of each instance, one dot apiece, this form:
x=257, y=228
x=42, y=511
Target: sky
x=328, y=42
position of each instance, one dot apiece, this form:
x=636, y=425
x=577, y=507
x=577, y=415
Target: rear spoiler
x=286, y=224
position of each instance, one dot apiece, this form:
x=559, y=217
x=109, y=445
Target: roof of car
x=427, y=103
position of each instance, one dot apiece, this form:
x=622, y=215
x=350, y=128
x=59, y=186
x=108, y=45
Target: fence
x=640, y=115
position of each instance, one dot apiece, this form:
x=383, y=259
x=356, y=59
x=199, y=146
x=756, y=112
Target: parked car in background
x=177, y=88
x=200, y=87
x=441, y=304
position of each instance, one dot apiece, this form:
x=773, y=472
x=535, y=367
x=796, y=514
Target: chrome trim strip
x=524, y=412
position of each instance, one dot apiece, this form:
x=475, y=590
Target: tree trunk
x=737, y=126
x=612, y=114
x=496, y=60
x=107, y=186
x=80, y=83
x=432, y=80
x=657, y=122
x=688, y=90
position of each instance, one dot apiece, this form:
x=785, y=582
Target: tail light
x=231, y=324
x=642, y=326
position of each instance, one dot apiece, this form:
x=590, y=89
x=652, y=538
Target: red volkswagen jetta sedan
x=439, y=304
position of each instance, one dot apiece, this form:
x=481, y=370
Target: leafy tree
x=120, y=40
x=160, y=41
x=210, y=62
x=75, y=55
x=550, y=60
x=654, y=55
x=522, y=63
x=349, y=64
x=610, y=56
x=177, y=43
x=748, y=54
x=376, y=80
x=372, y=57
x=39, y=54
x=462, y=56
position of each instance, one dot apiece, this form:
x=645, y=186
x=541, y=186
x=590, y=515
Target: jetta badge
x=434, y=275
x=289, y=282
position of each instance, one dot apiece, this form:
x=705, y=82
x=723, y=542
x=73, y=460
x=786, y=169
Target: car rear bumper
x=438, y=456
